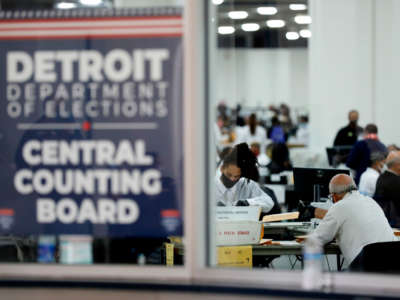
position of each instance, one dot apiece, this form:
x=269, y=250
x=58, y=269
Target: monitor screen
x=311, y=184
x=338, y=154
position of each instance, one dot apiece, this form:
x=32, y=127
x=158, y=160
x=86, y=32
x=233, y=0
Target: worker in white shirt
x=252, y=133
x=354, y=220
x=234, y=185
x=368, y=179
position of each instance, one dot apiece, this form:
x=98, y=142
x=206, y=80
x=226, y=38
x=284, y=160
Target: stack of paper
x=280, y=217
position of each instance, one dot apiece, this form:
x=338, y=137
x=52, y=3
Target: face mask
x=384, y=168
x=353, y=124
x=227, y=182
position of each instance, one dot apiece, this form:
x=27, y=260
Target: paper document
x=280, y=217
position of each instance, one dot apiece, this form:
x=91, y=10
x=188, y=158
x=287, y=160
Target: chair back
x=378, y=257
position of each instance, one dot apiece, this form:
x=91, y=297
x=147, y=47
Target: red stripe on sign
x=170, y=213
x=92, y=27
x=6, y=212
x=96, y=36
x=72, y=19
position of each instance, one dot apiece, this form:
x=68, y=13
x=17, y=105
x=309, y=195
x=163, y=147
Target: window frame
x=198, y=178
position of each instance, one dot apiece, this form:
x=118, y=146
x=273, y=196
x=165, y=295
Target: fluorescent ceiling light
x=297, y=7
x=267, y=10
x=250, y=27
x=302, y=19
x=237, y=15
x=275, y=23
x=91, y=2
x=305, y=33
x=66, y=5
x=217, y=2
x=226, y=30
x=292, y=35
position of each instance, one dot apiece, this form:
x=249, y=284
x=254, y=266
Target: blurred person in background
x=370, y=176
x=276, y=133
x=252, y=133
x=387, y=192
x=301, y=137
x=280, y=160
x=348, y=135
x=359, y=157
x=238, y=117
x=285, y=119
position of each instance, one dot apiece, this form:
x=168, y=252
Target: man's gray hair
x=394, y=161
x=342, y=188
x=377, y=156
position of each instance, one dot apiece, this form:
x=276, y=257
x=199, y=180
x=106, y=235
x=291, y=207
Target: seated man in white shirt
x=354, y=220
x=368, y=179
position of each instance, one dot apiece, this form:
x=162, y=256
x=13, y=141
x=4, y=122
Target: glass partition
x=292, y=93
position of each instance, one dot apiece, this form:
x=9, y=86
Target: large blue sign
x=91, y=126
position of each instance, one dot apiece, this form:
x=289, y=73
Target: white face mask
x=384, y=168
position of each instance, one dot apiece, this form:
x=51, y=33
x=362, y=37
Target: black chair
x=378, y=257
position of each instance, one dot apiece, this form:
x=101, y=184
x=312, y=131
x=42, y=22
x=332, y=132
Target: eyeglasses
x=330, y=197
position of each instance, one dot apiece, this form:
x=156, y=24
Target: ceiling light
x=237, y=15
x=275, y=23
x=226, y=29
x=292, y=35
x=91, y=2
x=250, y=27
x=297, y=7
x=217, y=2
x=65, y=5
x=302, y=19
x=267, y=10
x=305, y=33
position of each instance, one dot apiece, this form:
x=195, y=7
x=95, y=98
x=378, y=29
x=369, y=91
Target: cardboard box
x=233, y=233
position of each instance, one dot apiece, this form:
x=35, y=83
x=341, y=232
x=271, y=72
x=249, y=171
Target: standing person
x=370, y=176
x=348, y=135
x=354, y=220
x=235, y=186
x=387, y=192
x=359, y=157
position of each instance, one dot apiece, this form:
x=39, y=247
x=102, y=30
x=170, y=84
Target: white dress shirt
x=243, y=190
x=368, y=180
x=355, y=221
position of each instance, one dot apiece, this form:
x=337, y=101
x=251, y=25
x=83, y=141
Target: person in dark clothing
x=280, y=160
x=359, y=157
x=387, y=192
x=276, y=132
x=239, y=119
x=347, y=136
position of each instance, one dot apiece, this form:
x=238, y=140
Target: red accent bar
x=100, y=36
x=6, y=212
x=91, y=27
x=170, y=213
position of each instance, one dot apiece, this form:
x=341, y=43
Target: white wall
x=259, y=77
x=387, y=59
x=354, y=63
x=340, y=66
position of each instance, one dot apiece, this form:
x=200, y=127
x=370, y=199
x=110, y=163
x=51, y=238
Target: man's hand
x=320, y=213
x=306, y=211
